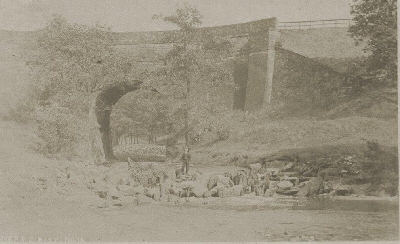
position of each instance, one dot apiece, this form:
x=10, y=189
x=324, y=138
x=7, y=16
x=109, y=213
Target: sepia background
x=220, y=120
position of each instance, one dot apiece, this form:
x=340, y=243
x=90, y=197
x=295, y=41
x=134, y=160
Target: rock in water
x=285, y=185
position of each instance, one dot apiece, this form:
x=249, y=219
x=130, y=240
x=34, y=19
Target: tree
x=195, y=67
x=73, y=62
x=144, y=113
x=375, y=22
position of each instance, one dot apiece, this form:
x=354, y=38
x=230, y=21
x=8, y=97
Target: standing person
x=185, y=160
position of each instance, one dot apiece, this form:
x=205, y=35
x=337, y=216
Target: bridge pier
x=254, y=73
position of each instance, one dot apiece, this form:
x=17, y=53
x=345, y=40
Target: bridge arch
x=99, y=118
x=259, y=35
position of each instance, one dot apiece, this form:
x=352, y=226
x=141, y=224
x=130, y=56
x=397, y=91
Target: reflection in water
x=315, y=219
x=347, y=205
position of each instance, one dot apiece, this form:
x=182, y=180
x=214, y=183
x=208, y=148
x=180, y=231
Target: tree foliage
x=375, y=22
x=144, y=114
x=195, y=71
x=73, y=62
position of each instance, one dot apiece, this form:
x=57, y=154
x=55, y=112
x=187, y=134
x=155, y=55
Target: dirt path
x=32, y=207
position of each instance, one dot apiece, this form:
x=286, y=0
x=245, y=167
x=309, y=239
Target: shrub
x=60, y=131
x=380, y=168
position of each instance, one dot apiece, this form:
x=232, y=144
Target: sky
x=136, y=15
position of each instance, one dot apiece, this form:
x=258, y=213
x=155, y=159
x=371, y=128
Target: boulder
x=126, y=190
x=234, y=191
x=269, y=193
x=153, y=192
x=219, y=180
x=218, y=191
x=255, y=167
x=295, y=180
x=304, y=179
x=157, y=193
x=187, y=184
x=288, y=167
x=221, y=191
x=212, y=182
x=237, y=179
x=114, y=193
x=124, y=181
x=327, y=187
x=183, y=189
x=273, y=185
x=251, y=182
x=273, y=171
x=207, y=194
x=138, y=189
x=178, y=173
x=195, y=175
x=246, y=189
x=285, y=185
x=304, y=188
x=315, y=186
x=259, y=190
x=172, y=189
x=149, y=192
x=185, y=193
x=102, y=194
x=343, y=190
x=214, y=192
x=330, y=172
x=199, y=190
x=228, y=175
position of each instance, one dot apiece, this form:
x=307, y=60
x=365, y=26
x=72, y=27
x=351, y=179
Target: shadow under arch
x=99, y=116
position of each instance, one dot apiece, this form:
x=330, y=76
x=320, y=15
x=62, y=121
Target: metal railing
x=312, y=24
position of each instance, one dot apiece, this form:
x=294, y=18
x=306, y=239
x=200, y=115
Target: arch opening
x=103, y=102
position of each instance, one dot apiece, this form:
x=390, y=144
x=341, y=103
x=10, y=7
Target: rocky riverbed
x=49, y=199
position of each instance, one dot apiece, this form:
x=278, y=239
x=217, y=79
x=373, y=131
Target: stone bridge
x=265, y=75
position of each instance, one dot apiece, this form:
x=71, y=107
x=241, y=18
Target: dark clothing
x=185, y=162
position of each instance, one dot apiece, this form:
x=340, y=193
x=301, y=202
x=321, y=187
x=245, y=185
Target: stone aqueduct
x=256, y=75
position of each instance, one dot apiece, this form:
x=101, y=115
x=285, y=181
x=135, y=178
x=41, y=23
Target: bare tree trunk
x=187, y=111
